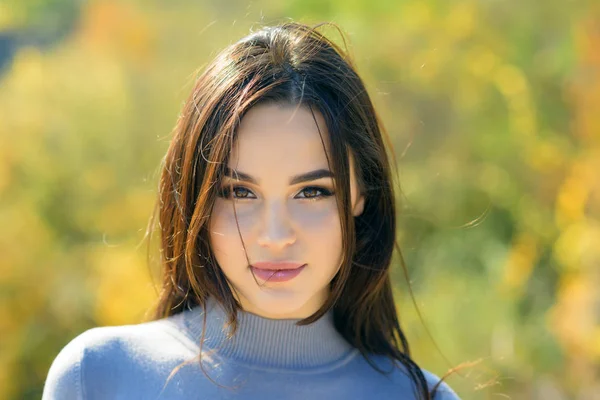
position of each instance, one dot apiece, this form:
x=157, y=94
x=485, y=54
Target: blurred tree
x=490, y=107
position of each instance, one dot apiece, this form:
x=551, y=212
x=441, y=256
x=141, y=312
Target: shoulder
x=113, y=354
x=396, y=378
x=443, y=392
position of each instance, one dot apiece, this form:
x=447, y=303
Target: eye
x=315, y=192
x=239, y=192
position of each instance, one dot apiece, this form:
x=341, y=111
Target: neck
x=313, y=304
x=266, y=342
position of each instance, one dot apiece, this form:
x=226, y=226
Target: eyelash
x=225, y=193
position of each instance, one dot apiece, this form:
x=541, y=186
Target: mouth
x=277, y=272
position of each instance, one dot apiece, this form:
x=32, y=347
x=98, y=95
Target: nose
x=276, y=231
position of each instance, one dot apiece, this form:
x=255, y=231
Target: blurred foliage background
x=492, y=107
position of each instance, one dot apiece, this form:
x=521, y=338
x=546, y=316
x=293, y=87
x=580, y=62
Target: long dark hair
x=293, y=64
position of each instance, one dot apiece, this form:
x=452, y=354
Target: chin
x=280, y=305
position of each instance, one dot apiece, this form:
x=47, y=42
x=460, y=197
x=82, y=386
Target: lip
x=277, y=265
x=277, y=271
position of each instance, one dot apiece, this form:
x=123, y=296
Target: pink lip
x=277, y=271
x=277, y=265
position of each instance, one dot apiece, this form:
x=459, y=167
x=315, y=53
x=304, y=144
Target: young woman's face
x=284, y=213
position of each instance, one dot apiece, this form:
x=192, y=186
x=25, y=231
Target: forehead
x=276, y=139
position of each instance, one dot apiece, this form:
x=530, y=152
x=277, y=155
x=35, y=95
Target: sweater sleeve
x=64, y=380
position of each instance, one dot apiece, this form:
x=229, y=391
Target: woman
x=277, y=221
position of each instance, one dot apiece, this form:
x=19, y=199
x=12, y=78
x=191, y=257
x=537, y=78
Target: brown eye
x=314, y=192
x=239, y=192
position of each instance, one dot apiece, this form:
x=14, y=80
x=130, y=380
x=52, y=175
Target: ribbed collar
x=271, y=343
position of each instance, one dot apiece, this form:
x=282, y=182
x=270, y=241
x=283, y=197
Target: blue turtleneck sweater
x=266, y=359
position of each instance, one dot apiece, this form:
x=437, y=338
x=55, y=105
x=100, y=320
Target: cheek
x=319, y=217
x=224, y=236
x=224, y=218
x=319, y=227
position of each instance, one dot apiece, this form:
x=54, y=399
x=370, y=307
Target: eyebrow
x=308, y=176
